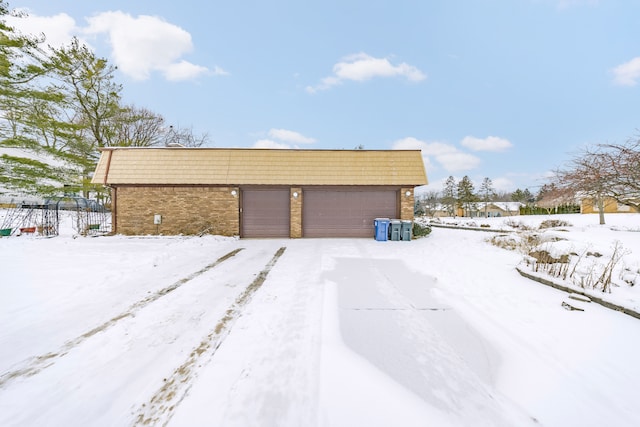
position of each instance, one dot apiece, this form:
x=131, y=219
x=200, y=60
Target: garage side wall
x=184, y=210
x=296, y=212
x=589, y=206
x=407, y=203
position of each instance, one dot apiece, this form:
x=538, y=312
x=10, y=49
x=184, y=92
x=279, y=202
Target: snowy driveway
x=338, y=332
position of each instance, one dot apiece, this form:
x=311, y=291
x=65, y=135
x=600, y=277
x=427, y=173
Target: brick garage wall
x=184, y=210
x=407, y=203
x=296, y=213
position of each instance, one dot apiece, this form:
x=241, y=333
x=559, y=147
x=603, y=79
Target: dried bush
x=553, y=223
x=522, y=242
x=544, y=257
x=505, y=241
x=584, y=270
x=518, y=225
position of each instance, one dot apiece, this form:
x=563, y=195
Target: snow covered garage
x=258, y=192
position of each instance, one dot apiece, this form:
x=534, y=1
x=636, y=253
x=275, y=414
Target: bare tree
x=550, y=197
x=603, y=171
x=184, y=137
x=137, y=127
x=588, y=174
x=502, y=196
x=429, y=202
x=623, y=164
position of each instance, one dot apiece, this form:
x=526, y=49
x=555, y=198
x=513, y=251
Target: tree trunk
x=600, y=202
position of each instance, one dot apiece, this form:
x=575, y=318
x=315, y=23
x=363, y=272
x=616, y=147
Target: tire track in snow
x=34, y=365
x=160, y=408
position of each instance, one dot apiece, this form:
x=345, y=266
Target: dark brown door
x=265, y=213
x=346, y=212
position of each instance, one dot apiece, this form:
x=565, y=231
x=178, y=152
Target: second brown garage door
x=346, y=212
x=265, y=213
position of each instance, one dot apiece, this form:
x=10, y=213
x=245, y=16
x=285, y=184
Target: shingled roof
x=222, y=166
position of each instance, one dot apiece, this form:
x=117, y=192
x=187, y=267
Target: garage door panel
x=265, y=213
x=346, y=213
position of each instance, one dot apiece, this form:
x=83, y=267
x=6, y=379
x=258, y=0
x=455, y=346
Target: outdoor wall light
x=407, y=193
x=295, y=194
x=234, y=193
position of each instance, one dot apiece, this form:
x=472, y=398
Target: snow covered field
x=188, y=331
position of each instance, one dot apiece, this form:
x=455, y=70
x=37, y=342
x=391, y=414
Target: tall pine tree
x=487, y=193
x=450, y=195
x=466, y=195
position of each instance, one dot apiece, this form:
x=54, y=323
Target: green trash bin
x=394, y=229
x=405, y=230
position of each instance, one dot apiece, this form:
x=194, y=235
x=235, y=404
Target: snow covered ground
x=188, y=331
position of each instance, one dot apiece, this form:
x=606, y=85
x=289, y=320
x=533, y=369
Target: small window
x=623, y=208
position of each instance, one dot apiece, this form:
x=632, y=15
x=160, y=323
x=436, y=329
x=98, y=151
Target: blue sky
x=505, y=89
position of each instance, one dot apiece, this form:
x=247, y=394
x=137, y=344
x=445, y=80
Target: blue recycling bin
x=394, y=229
x=381, y=226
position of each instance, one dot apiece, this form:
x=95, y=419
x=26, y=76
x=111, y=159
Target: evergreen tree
x=518, y=196
x=24, y=103
x=450, y=195
x=59, y=107
x=487, y=193
x=466, y=195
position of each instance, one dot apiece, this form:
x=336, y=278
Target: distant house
x=258, y=192
x=497, y=209
x=438, y=210
x=589, y=205
x=494, y=209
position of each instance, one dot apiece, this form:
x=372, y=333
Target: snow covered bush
x=421, y=230
x=589, y=263
x=630, y=275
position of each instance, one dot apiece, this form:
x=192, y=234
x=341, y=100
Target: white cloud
x=458, y=161
x=283, y=139
x=490, y=143
x=361, y=67
x=59, y=29
x=218, y=71
x=627, y=74
x=290, y=136
x=267, y=143
x=446, y=155
x=182, y=70
x=144, y=44
x=139, y=45
x=502, y=184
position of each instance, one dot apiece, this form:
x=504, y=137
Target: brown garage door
x=346, y=212
x=265, y=213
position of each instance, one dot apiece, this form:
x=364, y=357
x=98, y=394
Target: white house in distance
x=497, y=209
x=493, y=209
